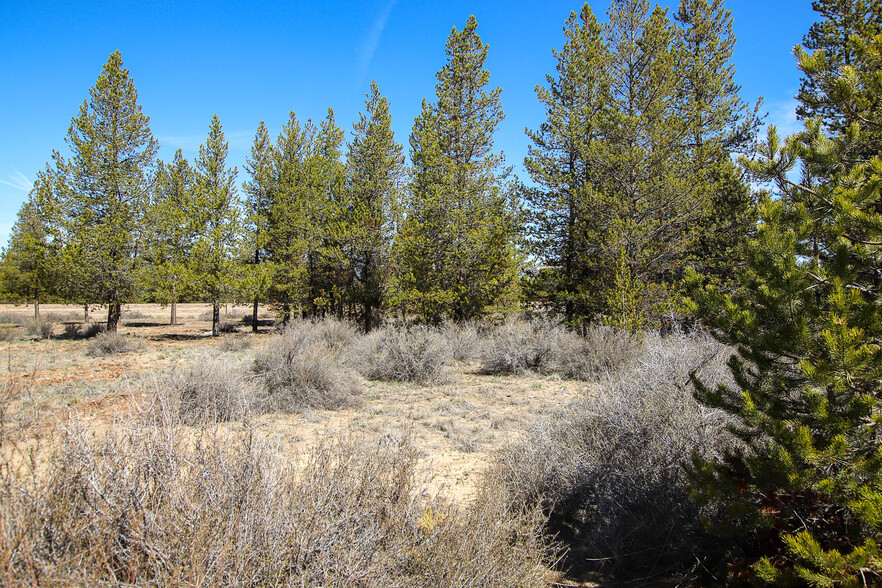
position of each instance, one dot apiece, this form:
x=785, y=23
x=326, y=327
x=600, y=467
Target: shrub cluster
x=206, y=392
x=304, y=367
x=608, y=467
x=112, y=343
x=403, y=354
x=546, y=347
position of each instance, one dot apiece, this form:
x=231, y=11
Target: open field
x=471, y=454
x=456, y=423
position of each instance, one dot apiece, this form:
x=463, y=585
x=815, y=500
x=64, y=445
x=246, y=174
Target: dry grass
x=175, y=506
x=608, y=466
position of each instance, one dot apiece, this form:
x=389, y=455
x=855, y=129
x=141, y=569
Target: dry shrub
x=173, y=506
x=464, y=339
x=112, y=343
x=205, y=392
x=234, y=344
x=546, y=347
x=334, y=333
x=39, y=329
x=304, y=368
x=94, y=329
x=402, y=354
x=608, y=466
x=12, y=318
x=73, y=330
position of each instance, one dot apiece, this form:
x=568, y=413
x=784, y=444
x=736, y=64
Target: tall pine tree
x=32, y=260
x=458, y=242
x=374, y=178
x=576, y=103
x=258, y=190
x=107, y=186
x=217, y=213
x=171, y=232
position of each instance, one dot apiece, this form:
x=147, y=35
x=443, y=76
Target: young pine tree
x=216, y=212
x=576, y=102
x=375, y=170
x=32, y=260
x=457, y=244
x=807, y=482
x=171, y=232
x=258, y=271
x=107, y=187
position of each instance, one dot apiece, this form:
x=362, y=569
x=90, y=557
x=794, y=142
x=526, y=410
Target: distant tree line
x=632, y=182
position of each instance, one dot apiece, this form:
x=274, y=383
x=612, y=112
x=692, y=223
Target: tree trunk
x=254, y=317
x=286, y=313
x=37, y=309
x=173, y=319
x=86, y=313
x=368, y=317
x=215, y=318
x=114, y=311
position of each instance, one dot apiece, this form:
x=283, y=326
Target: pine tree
x=720, y=125
x=171, y=232
x=326, y=274
x=457, y=244
x=807, y=327
x=576, y=102
x=217, y=214
x=258, y=270
x=107, y=186
x=32, y=260
x=830, y=39
x=644, y=204
x=286, y=245
x=375, y=170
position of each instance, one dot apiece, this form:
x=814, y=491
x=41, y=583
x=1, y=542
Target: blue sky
x=253, y=61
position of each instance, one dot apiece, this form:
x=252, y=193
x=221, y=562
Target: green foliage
x=807, y=326
x=107, y=188
x=634, y=159
x=374, y=177
x=31, y=261
x=457, y=243
x=216, y=215
x=171, y=232
x=836, y=41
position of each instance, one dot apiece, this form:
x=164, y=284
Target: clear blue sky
x=253, y=61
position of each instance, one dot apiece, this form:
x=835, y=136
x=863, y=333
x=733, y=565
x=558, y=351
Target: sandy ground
x=457, y=425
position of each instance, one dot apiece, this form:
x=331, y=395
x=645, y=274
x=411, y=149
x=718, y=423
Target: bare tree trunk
x=215, y=318
x=173, y=320
x=37, y=308
x=254, y=317
x=86, y=318
x=114, y=311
